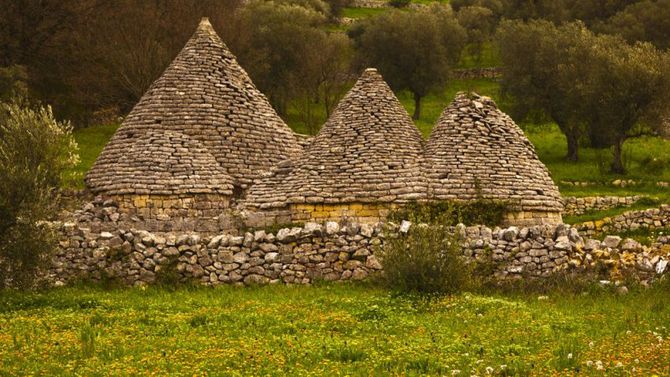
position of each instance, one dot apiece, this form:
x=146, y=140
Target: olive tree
x=35, y=150
x=544, y=69
x=629, y=89
x=414, y=51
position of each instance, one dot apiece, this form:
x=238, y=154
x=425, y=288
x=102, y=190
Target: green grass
x=489, y=58
x=91, y=140
x=358, y=13
x=330, y=330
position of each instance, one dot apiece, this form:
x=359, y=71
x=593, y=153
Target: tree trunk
x=417, y=107
x=617, y=163
x=573, y=146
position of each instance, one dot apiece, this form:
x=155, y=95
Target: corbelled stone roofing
x=167, y=162
x=476, y=150
x=368, y=151
x=207, y=96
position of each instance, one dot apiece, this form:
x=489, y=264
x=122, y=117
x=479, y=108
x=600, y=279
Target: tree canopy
x=414, y=51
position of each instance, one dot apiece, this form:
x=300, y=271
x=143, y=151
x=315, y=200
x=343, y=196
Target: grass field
x=331, y=330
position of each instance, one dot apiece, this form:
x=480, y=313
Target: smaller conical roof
x=369, y=150
x=477, y=151
x=167, y=163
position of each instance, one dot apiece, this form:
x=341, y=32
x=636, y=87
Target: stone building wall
x=581, y=205
x=206, y=213
x=530, y=218
x=367, y=213
x=332, y=252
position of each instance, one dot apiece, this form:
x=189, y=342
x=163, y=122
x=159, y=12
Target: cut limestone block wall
x=365, y=213
x=581, y=205
x=205, y=213
x=335, y=252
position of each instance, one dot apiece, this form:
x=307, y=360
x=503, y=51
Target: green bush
x=653, y=165
x=35, y=150
x=399, y=3
x=474, y=212
x=426, y=260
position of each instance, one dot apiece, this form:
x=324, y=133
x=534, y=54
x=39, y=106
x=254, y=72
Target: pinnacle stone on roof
x=368, y=151
x=207, y=96
x=475, y=150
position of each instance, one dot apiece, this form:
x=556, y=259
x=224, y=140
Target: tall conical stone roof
x=368, y=151
x=476, y=150
x=207, y=96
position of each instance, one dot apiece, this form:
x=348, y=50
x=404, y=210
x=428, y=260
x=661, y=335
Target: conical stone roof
x=206, y=95
x=476, y=150
x=169, y=163
x=368, y=151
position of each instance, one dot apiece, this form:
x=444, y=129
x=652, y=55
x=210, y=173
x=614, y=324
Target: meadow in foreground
x=332, y=330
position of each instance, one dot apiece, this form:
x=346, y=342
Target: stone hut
x=477, y=151
x=197, y=138
x=365, y=159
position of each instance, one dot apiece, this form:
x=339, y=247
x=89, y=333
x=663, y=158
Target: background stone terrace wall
x=653, y=218
x=331, y=251
x=581, y=205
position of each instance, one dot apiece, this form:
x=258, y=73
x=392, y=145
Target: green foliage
x=543, y=70
x=647, y=20
x=399, y=3
x=480, y=23
x=427, y=260
x=13, y=82
x=414, y=51
x=474, y=212
x=35, y=150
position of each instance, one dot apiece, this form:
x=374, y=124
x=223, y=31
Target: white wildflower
x=589, y=363
x=489, y=370
x=599, y=365
x=570, y=356
x=455, y=372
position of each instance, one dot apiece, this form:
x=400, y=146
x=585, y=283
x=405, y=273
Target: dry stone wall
x=654, y=218
x=581, y=205
x=333, y=252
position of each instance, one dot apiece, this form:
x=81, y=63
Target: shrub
x=426, y=260
x=653, y=165
x=35, y=150
x=474, y=212
x=399, y=3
